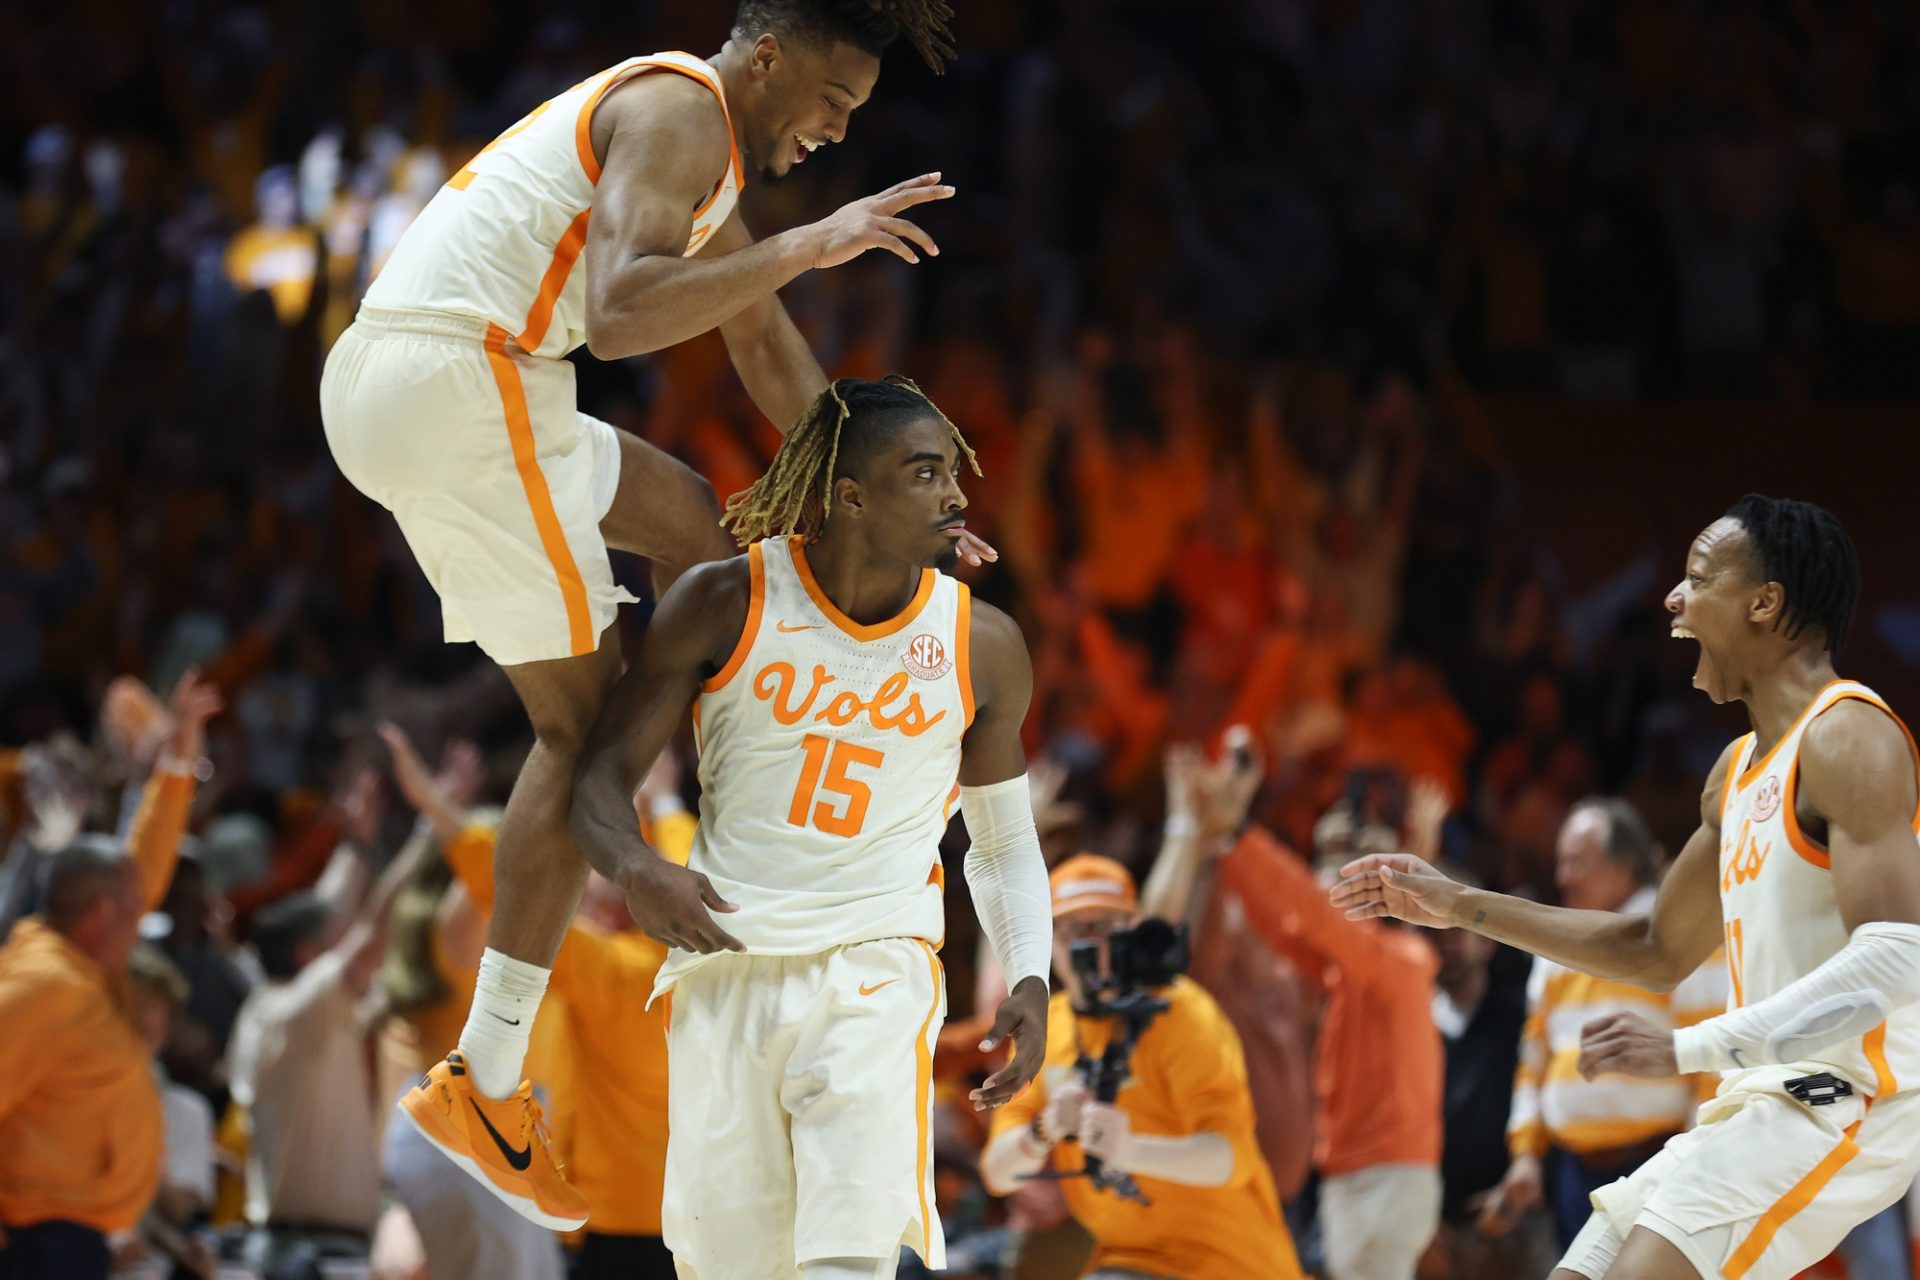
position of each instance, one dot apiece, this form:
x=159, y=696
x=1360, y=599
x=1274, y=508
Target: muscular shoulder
x=999, y=652
x=702, y=614
x=666, y=116
x=1856, y=754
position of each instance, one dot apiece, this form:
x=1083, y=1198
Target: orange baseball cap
x=1089, y=882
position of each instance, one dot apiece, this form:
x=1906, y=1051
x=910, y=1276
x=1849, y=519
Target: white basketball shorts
x=800, y=1107
x=497, y=480
x=1765, y=1185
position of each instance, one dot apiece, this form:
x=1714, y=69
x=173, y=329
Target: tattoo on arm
x=1480, y=915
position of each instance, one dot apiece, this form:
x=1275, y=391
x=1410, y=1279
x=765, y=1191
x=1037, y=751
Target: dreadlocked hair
x=1804, y=549
x=870, y=25
x=850, y=416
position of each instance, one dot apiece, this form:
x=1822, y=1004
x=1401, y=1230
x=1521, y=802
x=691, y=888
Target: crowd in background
x=1218, y=297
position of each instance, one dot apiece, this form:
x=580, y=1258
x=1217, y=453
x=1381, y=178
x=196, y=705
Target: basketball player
x=1805, y=866
x=606, y=216
x=844, y=694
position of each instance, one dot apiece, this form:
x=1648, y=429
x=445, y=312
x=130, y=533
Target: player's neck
x=1776, y=698
x=731, y=66
x=868, y=588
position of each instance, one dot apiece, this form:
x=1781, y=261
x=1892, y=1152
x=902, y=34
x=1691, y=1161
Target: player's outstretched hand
x=673, y=905
x=875, y=223
x=1022, y=1019
x=1628, y=1044
x=1398, y=885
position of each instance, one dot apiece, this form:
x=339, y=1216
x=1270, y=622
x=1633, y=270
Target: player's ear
x=847, y=498
x=1768, y=601
x=766, y=55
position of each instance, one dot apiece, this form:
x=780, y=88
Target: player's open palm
x=1398, y=885
x=876, y=223
x=675, y=906
x=1022, y=1018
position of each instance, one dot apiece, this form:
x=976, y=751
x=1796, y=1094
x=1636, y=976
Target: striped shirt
x=1554, y=1106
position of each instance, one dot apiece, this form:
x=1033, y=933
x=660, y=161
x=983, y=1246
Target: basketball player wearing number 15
x=1806, y=869
x=845, y=694
x=605, y=217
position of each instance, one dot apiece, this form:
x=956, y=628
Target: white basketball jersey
x=500, y=241
x=1777, y=902
x=830, y=763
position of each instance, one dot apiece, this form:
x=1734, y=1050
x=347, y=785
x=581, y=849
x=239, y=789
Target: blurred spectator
x=1377, y=1148
x=1184, y=1126
x=277, y=254
x=300, y=1063
x=1480, y=1018
x=187, y=1153
x=81, y=1122
x=1604, y=1128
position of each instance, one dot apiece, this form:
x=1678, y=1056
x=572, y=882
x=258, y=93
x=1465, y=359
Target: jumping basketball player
x=844, y=695
x=1805, y=866
x=606, y=216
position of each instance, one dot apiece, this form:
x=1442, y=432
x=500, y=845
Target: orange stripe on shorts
x=513, y=398
x=1798, y=1197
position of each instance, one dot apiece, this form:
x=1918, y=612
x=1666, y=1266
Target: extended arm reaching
x=694, y=629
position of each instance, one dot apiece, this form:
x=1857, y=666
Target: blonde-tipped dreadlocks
x=796, y=493
x=871, y=25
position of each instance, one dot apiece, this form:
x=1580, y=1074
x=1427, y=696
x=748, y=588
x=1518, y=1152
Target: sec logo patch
x=1767, y=803
x=926, y=657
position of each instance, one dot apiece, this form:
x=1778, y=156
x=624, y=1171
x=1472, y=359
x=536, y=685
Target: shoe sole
x=519, y=1204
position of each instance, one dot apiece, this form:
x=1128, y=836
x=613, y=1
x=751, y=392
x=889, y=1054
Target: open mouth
x=1700, y=669
x=803, y=146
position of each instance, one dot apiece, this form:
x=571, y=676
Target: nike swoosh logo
x=866, y=990
x=518, y=1159
x=512, y=1022
x=781, y=626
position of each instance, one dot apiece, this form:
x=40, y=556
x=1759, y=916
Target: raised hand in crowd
x=194, y=702
x=442, y=798
x=1427, y=807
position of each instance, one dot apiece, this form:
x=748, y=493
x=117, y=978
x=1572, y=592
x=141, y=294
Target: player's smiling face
x=909, y=494
x=808, y=96
x=1717, y=603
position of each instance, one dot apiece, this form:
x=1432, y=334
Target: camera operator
x=1181, y=1124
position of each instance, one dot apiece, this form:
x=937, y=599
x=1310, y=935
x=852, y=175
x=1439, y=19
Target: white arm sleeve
x=1877, y=972
x=1008, y=878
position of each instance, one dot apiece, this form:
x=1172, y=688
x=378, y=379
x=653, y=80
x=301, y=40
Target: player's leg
x=858, y=1090
x=664, y=510
x=1593, y=1251
x=1647, y=1255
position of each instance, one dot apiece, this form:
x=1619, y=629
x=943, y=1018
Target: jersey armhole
x=963, y=651
x=756, y=603
x=583, y=125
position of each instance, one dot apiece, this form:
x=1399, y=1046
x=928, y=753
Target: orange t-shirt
x=80, y=1119
x=1188, y=1076
x=1380, y=1063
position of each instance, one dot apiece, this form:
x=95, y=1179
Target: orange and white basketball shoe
x=500, y=1142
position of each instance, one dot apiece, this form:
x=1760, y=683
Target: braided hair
x=1804, y=549
x=869, y=25
x=847, y=419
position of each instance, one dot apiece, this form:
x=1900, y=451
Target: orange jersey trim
x=1733, y=770
x=963, y=653
x=583, y=126
x=1790, y=818
x=565, y=254
x=756, y=604
x=1798, y=1197
x=859, y=631
x=922, y=1099
x=513, y=399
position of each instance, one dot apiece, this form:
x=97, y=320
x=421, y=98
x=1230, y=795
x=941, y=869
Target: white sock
x=850, y=1269
x=494, y=1041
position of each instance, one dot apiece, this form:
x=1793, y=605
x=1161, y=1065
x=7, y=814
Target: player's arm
x=1857, y=772
x=1655, y=950
x=772, y=358
x=666, y=145
x=1005, y=872
x=694, y=628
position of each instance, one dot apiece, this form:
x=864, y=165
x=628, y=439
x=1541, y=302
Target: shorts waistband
x=433, y=324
